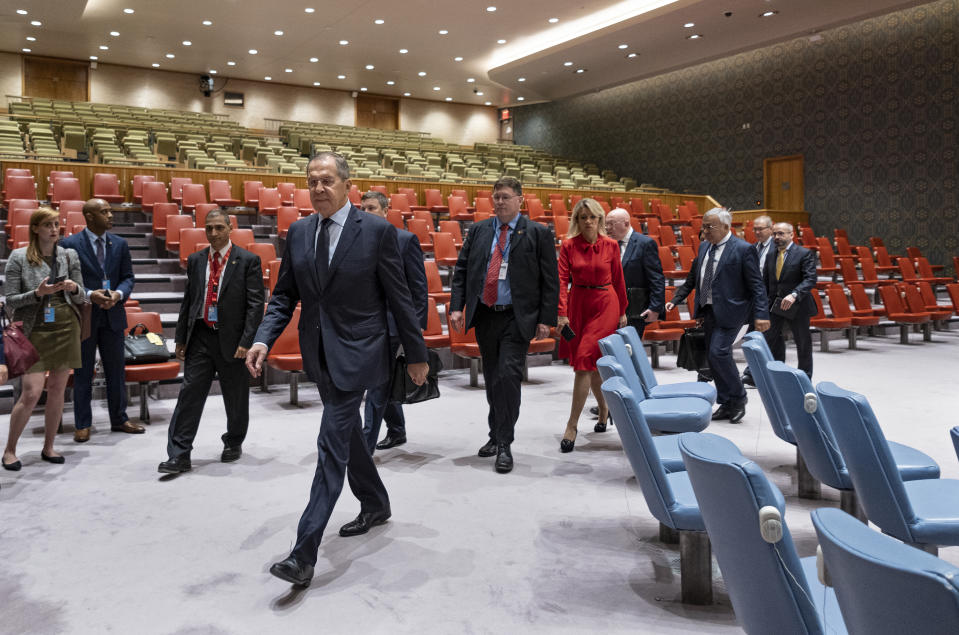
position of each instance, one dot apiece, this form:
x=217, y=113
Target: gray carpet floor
x=562, y=544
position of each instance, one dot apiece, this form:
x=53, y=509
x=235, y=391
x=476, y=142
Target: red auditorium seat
x=434, y=202
x=454, y=228
x=268, y=201
x=457, y=209
x=273, y=268
x=444, y=250
x=285, y=217
x=355, y=196
x=926, y=272
x=433, y=334
x=285, y=354
x=107, y=187
x=221, y=193
x=654, y=333
x=464, y=345
x=192, y=195
x=19, y=187
x=174, y=224
x=176, y=187
x=916, y=304
x=424, y=215
x=401, y=203
x=434, y=284
x=190, y=238
x=66, y=188
x=200, y=212
x=160, y=213
x=242, y=237
x=893, y=298
x=153, y=192
x=267, y=254
x=137, y=186
x=301, y=201
x=483, y=206
x=251, y=193
x=286, y=191
x=827, y=324
x=421, y=229
x=395, y=218
x=143, y=374
x=885, y=263
x=381, y=189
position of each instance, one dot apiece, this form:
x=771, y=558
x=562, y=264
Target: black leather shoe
x=175, y=466
x=737, y=412
x=231, y=454
x=594, y=410
x=722, y=412
x=504, y=459
x=600, y=426
x=56, y=460
x=748, y=380
x=488, y=450
x=13, y=467
x=389, y=441
x=704, y=377
x=293, y=571
x=567, y=445
x=364, y=522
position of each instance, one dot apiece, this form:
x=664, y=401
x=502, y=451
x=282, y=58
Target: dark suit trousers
x=800, y=331
x=503, y=350
x=379, y=408
x=719, y=342
x=110, y=343
x=639, y=325
x=340, y=444
x=203, y=359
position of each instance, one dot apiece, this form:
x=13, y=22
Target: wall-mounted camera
x=728, y=14
x=206, y=85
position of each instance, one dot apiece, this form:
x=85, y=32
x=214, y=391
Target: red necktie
x=491, y=288
x=211, y=288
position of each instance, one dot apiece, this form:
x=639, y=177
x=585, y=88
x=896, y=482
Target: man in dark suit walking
x=642, y=271
x=379, y=406
x=221, y=309
x=763, y=228
x=790, y=277
x=729, y=291
x=507, y=281
x=108, y=276
x=345, y=269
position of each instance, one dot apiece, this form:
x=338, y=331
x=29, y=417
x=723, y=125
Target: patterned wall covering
x=871, y=107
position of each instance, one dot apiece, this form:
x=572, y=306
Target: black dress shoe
x=722, y=412
x=364, y=522
x=488, y=450
x=231, y=453
x=594, y=410
x=13, y=467
x=567, y=445
x=57, y=460
x=704, y=377
x=175, y=466
x=389, y=441
x=748, y=380
x=737, y=412
x=293, y=571
x=504, y=459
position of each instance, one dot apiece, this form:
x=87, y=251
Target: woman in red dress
x=592, y=301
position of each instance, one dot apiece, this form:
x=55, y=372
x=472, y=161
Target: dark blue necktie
x=707, y=283
x=101, y=254
x=323, y=250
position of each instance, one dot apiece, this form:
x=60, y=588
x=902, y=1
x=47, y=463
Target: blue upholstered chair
x=954, y=433
x=652, y=388
x=923, y=513
x=672, y=414
x=883, y=586
x=771, y=589
x=668, y=495
x=757, y=355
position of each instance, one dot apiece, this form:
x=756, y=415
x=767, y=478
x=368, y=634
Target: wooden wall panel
x=55, y=78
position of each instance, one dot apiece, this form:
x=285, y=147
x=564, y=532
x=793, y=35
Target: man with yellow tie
x=790, y=277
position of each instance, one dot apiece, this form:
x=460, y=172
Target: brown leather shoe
x=129, y=428
x=81, y=436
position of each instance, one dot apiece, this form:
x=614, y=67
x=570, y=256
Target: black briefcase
x=140, y=346
x=692, y=349
x=402, y=388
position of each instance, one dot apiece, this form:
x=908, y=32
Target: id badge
x=502, y=270
x=211, y=314
x=106, y=285
x=49, y=315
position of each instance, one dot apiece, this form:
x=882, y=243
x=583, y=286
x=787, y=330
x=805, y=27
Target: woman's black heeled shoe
x=57, y=460
x=13, y=467
x=600, y=426
x=566, y=445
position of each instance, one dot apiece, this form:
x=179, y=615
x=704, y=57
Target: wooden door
x=55, y=78
x=377, y=112
x=783, y=183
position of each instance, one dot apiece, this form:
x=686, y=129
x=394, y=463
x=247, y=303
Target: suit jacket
x=738, y=291
x=346, y=318
x=642, y=268
x=798, y=276
x=119, y=272
x=412, y=254
x=22, y=279
x=239, y=304
x=532, y=274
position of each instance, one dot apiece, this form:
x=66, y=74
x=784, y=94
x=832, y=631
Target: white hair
x=722, y=214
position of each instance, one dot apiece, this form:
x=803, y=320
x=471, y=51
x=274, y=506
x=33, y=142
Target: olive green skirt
x=58, y=342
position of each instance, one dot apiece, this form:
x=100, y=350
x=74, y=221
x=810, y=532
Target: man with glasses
x=729, y=291
x=642, y=270
x=507, y=282
x=790, y=277
x=763, y=228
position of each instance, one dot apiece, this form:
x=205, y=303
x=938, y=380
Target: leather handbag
x=402, y=388
x=141, y=346
x=18, y=350
x=692, y=349
x=85, y=316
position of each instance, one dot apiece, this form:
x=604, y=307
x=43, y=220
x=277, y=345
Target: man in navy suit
x=379, y=407
x=790, y=278
x=108, y=277
x=642, y=270
x=729, y=291
x=344, y=267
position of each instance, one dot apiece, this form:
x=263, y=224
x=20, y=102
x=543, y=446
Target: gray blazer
x=23, y=278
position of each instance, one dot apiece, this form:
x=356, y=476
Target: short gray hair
x=763, y=218
x=722, y=214
x=380, y=198
x=342, y=167
x=218, y=211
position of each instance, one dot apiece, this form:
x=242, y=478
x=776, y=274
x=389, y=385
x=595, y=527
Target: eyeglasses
x=711, y=227
x=502, y=198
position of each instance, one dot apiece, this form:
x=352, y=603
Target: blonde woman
x=43, y=288
x=592, y=302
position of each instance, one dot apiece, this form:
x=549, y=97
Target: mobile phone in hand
x=58, y=279
x=567, y=333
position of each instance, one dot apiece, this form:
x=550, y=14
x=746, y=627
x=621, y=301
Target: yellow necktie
x=779, y=262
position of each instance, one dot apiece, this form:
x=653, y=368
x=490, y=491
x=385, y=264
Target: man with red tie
x=221, y=310
x=506, y=281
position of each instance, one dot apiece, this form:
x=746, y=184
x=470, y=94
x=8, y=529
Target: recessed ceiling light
x=30, y=38
x=311, y=10
x=344, y=42
x=28, y=50
x=553, y=20
x=212, y=71
x=115, y=33
x=694, y=36
x=287, y=70
x=314, y=83
x=155, y=65
x=231, y=63
x=207, y=23
x=520, y=98
x=624, y=46
x=379, y=21
x=436, y=87
x=491, y=9
x=128, y=11
x=632, y=55
x=390, y=82
x=22, y=11
x=314, y=60
x=170, y=56
x=501, y=41
x=278, y=32
x=422, y=73
x=480, y=93
x=567, y=63
x=36, y=23
x=187, y=43
x=268, y=78
x=363, y=89
x=341, y=76
x=689, y=25
x=370, y=67
x=457, y=59
x=253, y=51
x=92, y=57
x=470, y=80
x=580, y=70
x=404, y=51
x=406, y=94
x=104, y=47
x=449, y=99
x=521, y=79
x=443, y=32
x=766, y=14
x=487, y=103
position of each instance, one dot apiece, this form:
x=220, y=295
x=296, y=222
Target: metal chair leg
x=696, y=567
